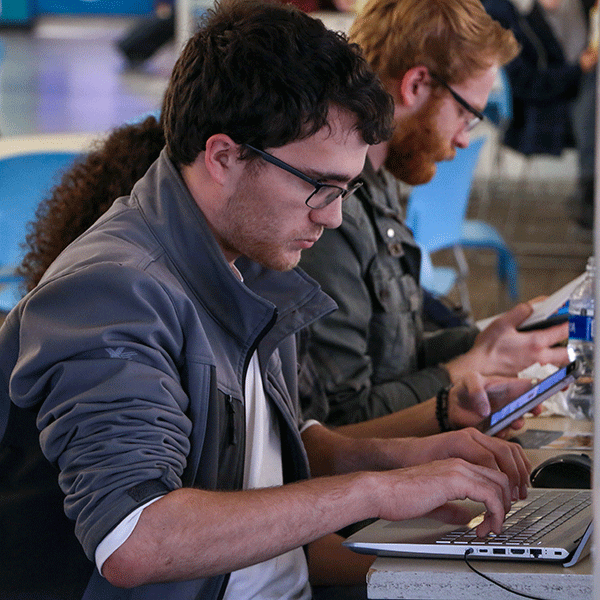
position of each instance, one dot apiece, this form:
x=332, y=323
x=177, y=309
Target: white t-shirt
x=285, y=576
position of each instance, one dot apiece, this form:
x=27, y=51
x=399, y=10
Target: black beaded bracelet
x=441, y=409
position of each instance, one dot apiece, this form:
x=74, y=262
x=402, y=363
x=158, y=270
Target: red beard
x=416, y=146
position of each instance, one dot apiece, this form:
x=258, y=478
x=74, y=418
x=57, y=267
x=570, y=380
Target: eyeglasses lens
x=326, y=194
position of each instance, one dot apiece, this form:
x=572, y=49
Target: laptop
x=550, y=525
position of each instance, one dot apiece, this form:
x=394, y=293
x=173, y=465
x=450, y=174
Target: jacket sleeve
x=444, y=344
x=337, y=385
x=99, y=354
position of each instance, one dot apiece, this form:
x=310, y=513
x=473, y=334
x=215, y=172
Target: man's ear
x=221, y=158
x=414, y=87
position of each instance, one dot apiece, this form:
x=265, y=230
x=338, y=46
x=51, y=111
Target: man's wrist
x=460, y=366
x=441, y=409
x=454, y=368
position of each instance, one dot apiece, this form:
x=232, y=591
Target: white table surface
x=50, y=142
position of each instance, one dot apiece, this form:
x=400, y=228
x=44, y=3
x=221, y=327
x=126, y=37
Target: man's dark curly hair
x=87, y=190
x=267, y=74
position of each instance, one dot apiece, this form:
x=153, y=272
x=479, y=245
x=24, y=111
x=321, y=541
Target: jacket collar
x=244, y=309
x=378, y=184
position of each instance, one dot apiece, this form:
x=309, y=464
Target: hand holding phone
x=503, y=417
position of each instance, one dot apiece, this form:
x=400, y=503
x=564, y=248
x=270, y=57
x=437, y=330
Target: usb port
x=499, y=551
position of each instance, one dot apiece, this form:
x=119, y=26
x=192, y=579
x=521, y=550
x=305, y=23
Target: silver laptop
x=550, y=525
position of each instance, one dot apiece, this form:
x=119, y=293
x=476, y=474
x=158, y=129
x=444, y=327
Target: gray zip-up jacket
x=133, y=351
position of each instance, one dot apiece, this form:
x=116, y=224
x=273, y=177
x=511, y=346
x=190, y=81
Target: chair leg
x=461, y=282
x=514, y=205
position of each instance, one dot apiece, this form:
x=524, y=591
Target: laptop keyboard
x=528, y=520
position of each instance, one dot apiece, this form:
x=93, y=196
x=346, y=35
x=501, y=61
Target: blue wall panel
x=16, y=11
x=106, y=7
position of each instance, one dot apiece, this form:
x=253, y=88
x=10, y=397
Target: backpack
x=40, y=557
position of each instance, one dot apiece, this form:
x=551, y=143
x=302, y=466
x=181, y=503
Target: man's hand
x=476, y=448
x=502, y=350
x=588, y=59
x=469, y=402
x=425, y=490
x=404, y=478
x=475, y=397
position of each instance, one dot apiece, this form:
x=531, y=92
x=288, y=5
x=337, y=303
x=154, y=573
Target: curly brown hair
x=87, y=190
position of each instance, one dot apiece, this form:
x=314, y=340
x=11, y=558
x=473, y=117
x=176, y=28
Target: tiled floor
x=66, y=76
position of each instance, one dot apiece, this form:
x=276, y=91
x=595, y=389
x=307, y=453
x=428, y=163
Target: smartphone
x=556, y=319
x=538, y=393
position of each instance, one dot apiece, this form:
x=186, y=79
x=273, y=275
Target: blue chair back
x=142, y=117
x=436, y=210
x=25, y=180
x=499, y=105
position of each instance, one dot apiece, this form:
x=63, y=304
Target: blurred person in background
x=553, y=84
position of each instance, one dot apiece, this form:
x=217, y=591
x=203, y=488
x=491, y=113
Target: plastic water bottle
x=580, y=397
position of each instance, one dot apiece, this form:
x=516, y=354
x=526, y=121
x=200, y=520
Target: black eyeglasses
x=323, y=194
x=477, y=116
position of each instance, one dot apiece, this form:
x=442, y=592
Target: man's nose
x=462, y=139
x=329, y=216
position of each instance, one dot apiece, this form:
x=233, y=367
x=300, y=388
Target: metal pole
x=596, y=246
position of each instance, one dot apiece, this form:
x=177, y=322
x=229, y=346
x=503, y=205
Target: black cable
x=504, y=587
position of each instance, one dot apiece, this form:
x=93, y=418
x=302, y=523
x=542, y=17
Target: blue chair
x=25, y=180
x=1, y=58
x=436, y=214
x=438, y=280
x=499, y=105
x=480, y=234
x=144, y=116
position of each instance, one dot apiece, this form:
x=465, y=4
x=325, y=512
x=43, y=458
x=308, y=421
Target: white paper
x=545, y=308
